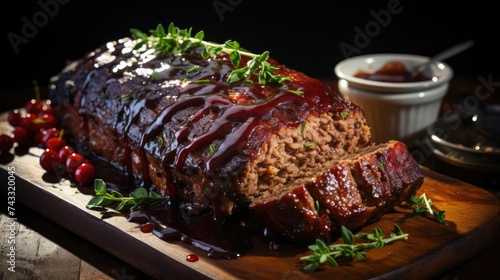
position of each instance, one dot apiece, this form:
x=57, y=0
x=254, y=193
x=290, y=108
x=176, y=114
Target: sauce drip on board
x=192, y=258
x=229, y=241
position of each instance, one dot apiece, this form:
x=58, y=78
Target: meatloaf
x=176, y=124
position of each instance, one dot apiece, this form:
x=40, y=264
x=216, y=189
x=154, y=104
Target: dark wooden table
x=52, y=252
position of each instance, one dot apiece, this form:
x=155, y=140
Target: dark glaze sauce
x=230, y=241
x=392, y=72
x=145, y=92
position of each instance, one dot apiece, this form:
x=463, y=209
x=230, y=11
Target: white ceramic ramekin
x=394, y=110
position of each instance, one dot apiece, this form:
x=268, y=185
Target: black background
x=304, y=35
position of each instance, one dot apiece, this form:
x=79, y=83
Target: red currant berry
x=20, y=135
x=14, y=118
x=85, y=173
x=64, y=152
x=48, y=134
x=55, y=143
x=6, y=143
x=73, y=161
x=45, y=121
x=33, y=106
x=28, y=122
x=38, y=137
x=46, y=109
x=49, y=160
x=147, y=227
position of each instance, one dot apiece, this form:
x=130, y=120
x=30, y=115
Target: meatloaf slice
x=356, y=190
x=175, y=123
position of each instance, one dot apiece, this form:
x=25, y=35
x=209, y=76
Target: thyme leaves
x=176, y=41
x=105, y=198
x=349, y=250
x=422, y=206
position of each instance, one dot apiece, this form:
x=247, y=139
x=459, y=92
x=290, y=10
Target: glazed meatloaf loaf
x=175, y=122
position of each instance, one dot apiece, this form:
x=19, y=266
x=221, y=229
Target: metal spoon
x=454, y=50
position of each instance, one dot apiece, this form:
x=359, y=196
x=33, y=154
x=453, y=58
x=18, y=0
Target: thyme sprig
x=323, y=253
x=177, y=41
x=422, y=206
x=139, y=196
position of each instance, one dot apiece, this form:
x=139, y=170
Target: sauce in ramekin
x=393, y=72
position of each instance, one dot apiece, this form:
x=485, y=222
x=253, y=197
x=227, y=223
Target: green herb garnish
x=160, y=140
x=139, y=196
x=423, y=206
x=154, y=76
x=380, y=165
x=213, y=149
x=322, y=253
x=127, y=96
x=193, y=69
x=316, y=205
x=310, y=144
x=302, y=127
x=202, y=81
x=297, y=92
x=178, y=41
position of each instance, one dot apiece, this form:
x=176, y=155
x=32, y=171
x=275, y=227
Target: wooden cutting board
x=472, y=216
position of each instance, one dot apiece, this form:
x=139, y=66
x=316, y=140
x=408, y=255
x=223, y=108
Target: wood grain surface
x=472, y=216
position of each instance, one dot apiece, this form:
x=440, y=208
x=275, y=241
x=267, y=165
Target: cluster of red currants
x=37, y=127
x=38, y=117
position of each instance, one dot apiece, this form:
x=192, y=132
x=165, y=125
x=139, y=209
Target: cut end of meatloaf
x=356, y=190
x=295, y=153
